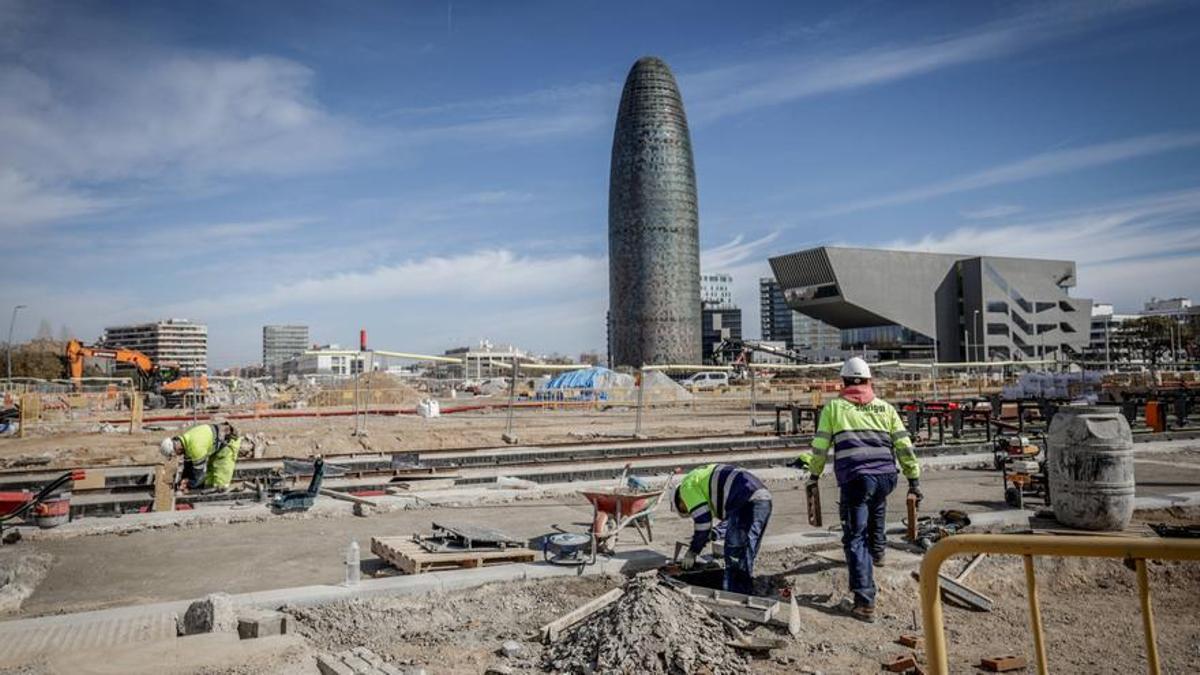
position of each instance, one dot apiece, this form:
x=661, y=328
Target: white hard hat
x=856, y=367
x=167, y=447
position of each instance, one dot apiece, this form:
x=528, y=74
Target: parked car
x=707, y=380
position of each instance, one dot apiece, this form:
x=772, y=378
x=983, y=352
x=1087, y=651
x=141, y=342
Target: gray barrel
x=1090, y=462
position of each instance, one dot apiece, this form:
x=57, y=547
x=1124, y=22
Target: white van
x=707, y=380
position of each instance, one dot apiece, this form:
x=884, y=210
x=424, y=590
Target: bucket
x=1090, y=466
x=53, y=511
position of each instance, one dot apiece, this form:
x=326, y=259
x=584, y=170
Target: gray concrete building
x=797, y=330
x=972, y=308
x=653, y=225
x=280, y=343
x=172, y=342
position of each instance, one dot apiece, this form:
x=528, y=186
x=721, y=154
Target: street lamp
x=8, y=345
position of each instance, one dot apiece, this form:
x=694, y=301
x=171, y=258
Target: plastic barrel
x=1090, y=465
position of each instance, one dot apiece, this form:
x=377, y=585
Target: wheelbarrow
x=617, y=508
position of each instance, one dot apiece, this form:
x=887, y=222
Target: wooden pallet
x=408, y=556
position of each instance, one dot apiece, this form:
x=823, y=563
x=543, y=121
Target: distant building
x=717, y=325
x=485, y=360
x=325, y=362
x=1178, y=308
x=796, y=330
x=1102, y=346
x=172, y=342
x=716, y=290
x=280, y=343
x=970, y=308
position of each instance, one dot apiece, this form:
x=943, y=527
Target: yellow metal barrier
x=1137, y=549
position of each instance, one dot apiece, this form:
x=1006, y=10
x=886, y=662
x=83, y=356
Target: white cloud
x=25, y=202
x=1125, y=250
x=993, y=211
x=734, y=252
x=1037, y=166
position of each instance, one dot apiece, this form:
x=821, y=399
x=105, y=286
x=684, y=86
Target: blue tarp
x=578, y=379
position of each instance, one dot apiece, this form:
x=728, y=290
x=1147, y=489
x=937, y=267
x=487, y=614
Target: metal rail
x=1137, y=549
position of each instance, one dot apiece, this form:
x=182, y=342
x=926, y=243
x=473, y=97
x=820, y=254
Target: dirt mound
x=650, y=629
x=378, y=388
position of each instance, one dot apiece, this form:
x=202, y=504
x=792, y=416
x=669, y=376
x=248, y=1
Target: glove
x=689, y=561
x=914, y=488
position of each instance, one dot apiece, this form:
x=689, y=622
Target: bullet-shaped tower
x=653, y=225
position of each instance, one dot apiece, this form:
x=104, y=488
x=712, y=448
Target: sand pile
x=650, y=629
x=379, y=388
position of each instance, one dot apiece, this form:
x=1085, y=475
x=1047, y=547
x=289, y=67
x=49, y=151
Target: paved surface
x=182, y=563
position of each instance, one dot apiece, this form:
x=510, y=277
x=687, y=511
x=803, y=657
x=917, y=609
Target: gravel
x=650, y=629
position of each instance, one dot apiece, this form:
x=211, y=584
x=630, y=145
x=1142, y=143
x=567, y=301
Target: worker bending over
x=735, y=496
x=868, y=439
x=210, y=453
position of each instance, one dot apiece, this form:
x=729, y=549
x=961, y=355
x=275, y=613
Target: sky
x=437, y=172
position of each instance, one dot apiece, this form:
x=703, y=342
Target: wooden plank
x=334, y=494
x=961, y=592
x=164, y=485
x=970, y=566
x=552, y=630
x=408, y=556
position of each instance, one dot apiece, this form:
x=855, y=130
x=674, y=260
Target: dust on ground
x=21, y=570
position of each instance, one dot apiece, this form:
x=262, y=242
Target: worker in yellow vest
x=868, y=439
x=210, y=454
x=726, y=493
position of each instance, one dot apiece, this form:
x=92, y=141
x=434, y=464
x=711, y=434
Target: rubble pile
x=650, y=629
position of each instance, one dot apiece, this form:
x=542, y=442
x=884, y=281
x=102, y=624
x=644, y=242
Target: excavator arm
x=77, y=352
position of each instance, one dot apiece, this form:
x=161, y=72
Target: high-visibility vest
x=866, y=439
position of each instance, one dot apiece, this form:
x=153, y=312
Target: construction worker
x=737, y=497
x=868, y=439
x=210, y=453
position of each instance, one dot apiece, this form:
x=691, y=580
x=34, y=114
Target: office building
x=906, y=304
x=177, y=342
x=718, y=324
x=716, y=290
x=280, y=343
x=653, y=225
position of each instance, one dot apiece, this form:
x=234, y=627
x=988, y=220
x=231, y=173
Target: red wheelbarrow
x=615, y=509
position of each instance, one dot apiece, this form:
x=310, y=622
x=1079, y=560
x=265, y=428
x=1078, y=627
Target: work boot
x=864, y=613
x=879, y=560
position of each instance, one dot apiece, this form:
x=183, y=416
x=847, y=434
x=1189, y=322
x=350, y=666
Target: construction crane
x=736, y=352
x=163, y=384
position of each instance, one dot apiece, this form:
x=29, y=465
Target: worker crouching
x=868, y=439
x=210, y=453
x=726, y=493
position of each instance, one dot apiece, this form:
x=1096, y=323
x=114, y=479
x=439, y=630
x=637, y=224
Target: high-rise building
x=280, y=343
x=716, y=289
x=653, y=225
x=796, y=330
x=172, y=342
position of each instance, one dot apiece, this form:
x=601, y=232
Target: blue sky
x=438, y=172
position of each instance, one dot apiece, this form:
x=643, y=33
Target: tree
x=1146, y=339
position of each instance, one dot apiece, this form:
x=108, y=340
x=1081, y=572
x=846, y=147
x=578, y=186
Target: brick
x=900, y=663
x=911, y=641
x=260, y=623
x=1000, y=664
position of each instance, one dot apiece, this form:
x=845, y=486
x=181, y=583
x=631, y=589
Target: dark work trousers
x=863, y=509
x=744, y=533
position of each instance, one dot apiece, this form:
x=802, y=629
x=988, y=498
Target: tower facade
x=653, y=225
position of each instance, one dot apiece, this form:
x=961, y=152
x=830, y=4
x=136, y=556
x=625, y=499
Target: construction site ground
x=1086, y=604
x=73, y=444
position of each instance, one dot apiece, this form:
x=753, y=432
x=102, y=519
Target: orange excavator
x=163, y=384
